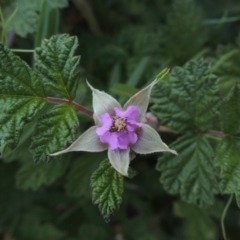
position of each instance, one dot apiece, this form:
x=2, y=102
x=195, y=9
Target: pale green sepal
x=141, y=99
x=120, y=160
x=87, y=142
x=103, y=102
x=149, y=141
x=162, y=74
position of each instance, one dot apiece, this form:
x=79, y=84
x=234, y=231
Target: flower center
x=118, y=125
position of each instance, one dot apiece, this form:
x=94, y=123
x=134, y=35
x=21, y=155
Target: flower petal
x=132, y=112
x=120, y=160
x=111, y=138
x=88, y=142
x=141, y=99
x=103, y=102
x=149, y=141
x=106, y=122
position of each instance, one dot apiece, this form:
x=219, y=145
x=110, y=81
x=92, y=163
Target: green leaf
x=237, y=194
x=228, y=151
x=55, y=62
x=21, y=97
x=184, y=22
x=198, y=224
x=191, y=173
x=230, y=112
x=78, y=181
x=228, y=158
x=54, y=131
x=44, y=29
x=12, y=200
x=138, y=72
x=29, y=226
x=107, y=186
x=189, y=99
x=26, y=19
x=33, y=176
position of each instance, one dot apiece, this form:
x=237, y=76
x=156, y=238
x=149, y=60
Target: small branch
x=216, y=133
x=79, y=107
x=223, y=217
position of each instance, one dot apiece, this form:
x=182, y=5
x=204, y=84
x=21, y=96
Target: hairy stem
x=223, y=216
x=79, y=107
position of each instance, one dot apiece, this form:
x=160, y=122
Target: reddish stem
x=79, y=107
x=216, y=133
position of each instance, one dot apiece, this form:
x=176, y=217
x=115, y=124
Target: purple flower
x=119, y=129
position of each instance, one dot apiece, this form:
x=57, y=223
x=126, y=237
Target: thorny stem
x=79, y=107
x=223, y=216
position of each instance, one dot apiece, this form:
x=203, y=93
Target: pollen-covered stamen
x=119, y=124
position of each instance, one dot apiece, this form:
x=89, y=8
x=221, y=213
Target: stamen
x=118, y=125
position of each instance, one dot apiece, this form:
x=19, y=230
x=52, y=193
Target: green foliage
x=54, y=131
x=31, y=227
x=228, y=151
x=189, y=99
x=230, y=112
x=78, y=181
x=45, y=30
x=191, y=173
x=33, y=176
x=107, y=186
x=184, y=23
x=26, y=19
x=92, y=232
x=55, y=62
x=134, y=41
x=8, y=204
x=198, y=224
x=21, y=97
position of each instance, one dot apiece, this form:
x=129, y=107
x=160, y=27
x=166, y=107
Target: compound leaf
x=188, y=100
x=54, y=131
x=191, y=173
x=55, y=62
x=107, y=186
x=21, y=97
x=33, y=176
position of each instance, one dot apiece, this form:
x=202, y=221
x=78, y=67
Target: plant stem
x=79, y=107
x=23, y=50
x=223, y=216
x=216, y=133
